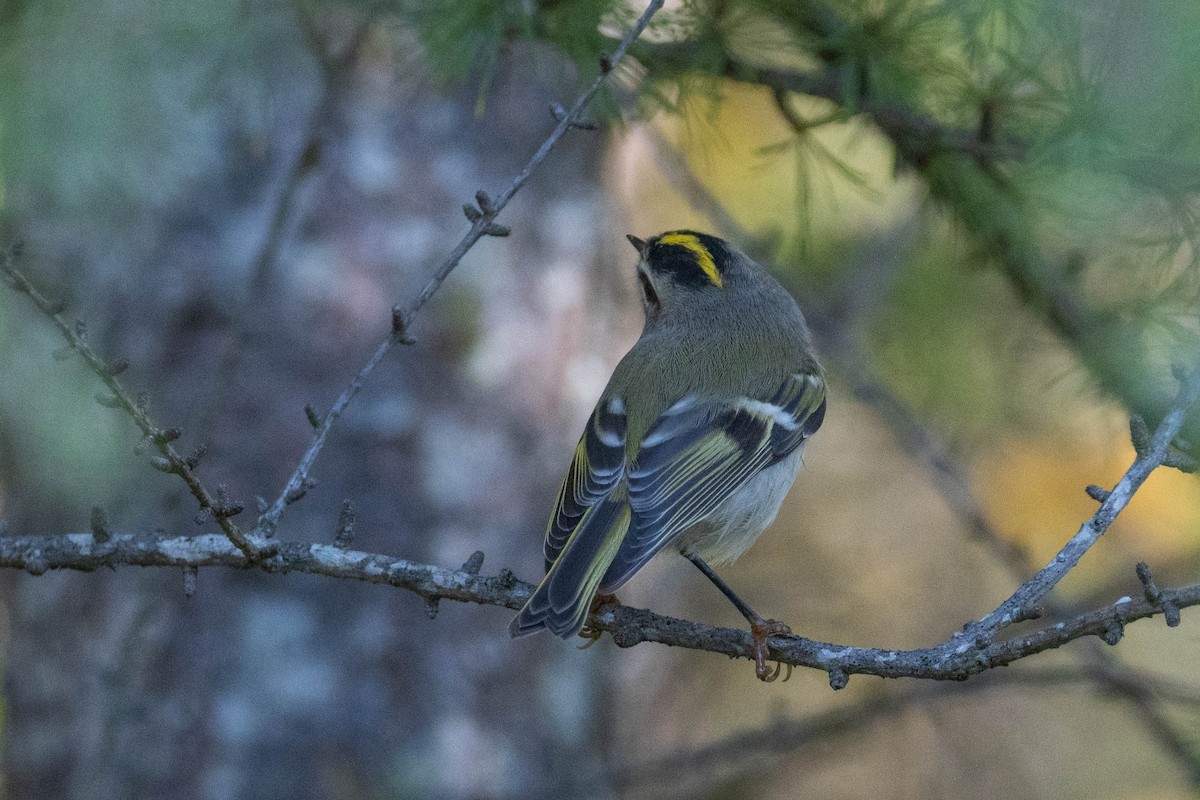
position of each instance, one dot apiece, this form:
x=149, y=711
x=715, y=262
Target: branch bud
x=1139, y=434
x=168, y=435
x=1181, y=461
x=345, y=525
x=99, y=521
x=400, y=326
x=189, y=581
x=116, y=368
x=231, y=509
x=311, y=414
x=474, y=563
x=431, y=606
x=192, y=460
x=559, y=113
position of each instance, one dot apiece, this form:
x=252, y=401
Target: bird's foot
x=759, y=633
x=590, y=633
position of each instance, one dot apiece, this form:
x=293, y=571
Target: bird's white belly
x=736, y=524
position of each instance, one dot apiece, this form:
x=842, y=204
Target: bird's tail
x=560, y=604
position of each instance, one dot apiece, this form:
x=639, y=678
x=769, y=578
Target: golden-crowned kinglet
x=696, y=439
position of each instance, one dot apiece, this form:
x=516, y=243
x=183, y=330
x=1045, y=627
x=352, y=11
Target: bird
x=694, y=442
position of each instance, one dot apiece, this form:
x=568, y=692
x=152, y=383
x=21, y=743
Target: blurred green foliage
x=104, y=103
x=464, y=41
x=59, y=438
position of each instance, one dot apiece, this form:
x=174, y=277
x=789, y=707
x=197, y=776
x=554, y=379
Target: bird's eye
x=649, y=296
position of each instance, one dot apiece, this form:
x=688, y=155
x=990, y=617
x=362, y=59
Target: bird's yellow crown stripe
x=704, y=258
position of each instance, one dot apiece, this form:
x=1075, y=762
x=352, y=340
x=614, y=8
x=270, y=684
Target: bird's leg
x=760, y=629
x=587, y=631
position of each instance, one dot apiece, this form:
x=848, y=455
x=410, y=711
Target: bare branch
x=482, y=224
x=76, y=338
x=1150, y=457
x=81, y=551
x=956, y=659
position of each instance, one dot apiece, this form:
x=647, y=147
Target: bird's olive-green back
x=740, y=338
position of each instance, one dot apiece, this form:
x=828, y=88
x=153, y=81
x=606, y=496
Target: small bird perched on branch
x=695, y=441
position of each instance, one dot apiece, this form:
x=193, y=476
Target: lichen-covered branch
x=956, y=659
x=82, y=552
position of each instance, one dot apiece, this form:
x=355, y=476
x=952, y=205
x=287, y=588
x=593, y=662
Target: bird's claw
x=587, y=631
x=591, y=634
x=760, y=632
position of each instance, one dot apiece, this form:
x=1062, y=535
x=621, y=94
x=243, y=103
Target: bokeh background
x=233, y=195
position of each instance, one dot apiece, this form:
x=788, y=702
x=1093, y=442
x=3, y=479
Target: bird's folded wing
x=598, y=466
x=701, y=451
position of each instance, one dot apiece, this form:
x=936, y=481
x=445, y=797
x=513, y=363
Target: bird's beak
x=637, y=243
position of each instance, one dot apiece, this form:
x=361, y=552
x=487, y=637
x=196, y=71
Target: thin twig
x=1032, y=591
x=161, y=438
x=483, y=223
x=1145, y=694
